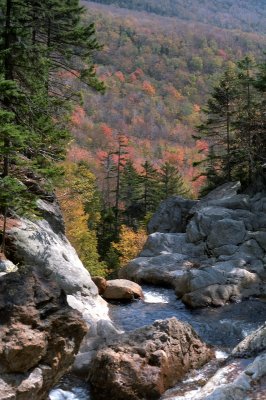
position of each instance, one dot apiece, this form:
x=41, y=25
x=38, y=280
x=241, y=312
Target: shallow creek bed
x=221, y=327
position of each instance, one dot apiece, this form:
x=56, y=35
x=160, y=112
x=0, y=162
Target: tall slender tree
x=218, y=126
x=151, y=194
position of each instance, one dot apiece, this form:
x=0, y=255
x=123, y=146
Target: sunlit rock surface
x=219, y=258
x=40, y=247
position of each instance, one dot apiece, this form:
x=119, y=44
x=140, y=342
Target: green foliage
x=15, y=195
x=172, y=181
x=235, y=125
x=38, y=41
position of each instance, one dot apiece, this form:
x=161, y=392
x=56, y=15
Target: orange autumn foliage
x=78, y=116
x=148, y=88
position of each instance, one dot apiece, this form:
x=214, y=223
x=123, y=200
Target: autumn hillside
x=158, y=73
x=245, y=15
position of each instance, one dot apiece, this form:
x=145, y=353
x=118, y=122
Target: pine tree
x=151, y=193
x=246, y=119
x=219, y=126
x=131, y=194
x=120, y=154
x=171, y=181
x=37, y=41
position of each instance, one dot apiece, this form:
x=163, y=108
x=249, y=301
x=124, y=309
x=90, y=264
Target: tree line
x=131, y=196
x=235, y=125
x=38, y=40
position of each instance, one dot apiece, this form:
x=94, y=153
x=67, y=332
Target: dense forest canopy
x=245, y=15
x=159, y=73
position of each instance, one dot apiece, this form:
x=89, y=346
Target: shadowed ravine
x=222, y=327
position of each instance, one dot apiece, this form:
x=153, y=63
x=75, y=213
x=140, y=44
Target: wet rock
x=39, y=338
x=144, y=363
x=236, y=378
x=171, y=216
x=252, y=345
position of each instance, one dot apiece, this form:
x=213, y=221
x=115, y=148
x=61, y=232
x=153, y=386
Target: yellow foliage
x=78, y=187
x=130, y=243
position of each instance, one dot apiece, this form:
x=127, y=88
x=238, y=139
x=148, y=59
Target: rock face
x=220, y=256
x=39, y=338
x=144, y=363
x=171, y=215
x=122, y=289
x=233, y=381
x=41, y=246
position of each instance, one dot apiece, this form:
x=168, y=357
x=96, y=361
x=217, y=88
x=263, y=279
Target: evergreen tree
x=236, y=126
x=260, y=82
x=131, y=194
x=37, y=41
x=172, y=181
x=120, y=154
x=151, y=193
x=219, y=127
x=245, y=123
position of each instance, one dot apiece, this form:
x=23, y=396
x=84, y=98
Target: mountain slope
x=245, y=15
x=159, y=72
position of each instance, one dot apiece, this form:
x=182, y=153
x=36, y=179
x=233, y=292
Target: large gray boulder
x=170, y=243
x=226, y=232
x=223, y=193
x=144, y=363
x=157, y=270
x=221, y=257
x=252, y=345
x=171, y=216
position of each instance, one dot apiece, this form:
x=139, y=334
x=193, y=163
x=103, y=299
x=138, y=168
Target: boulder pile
x=220, y=255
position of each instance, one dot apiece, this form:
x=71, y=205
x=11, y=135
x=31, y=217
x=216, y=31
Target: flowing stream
x=221, y=327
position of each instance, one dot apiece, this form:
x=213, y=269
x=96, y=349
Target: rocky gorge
x=49, y=306
x=211, y=252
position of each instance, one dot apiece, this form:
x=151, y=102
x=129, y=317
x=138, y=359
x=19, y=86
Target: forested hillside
x=137, y=138
x=158, y=73
x=246, y=15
